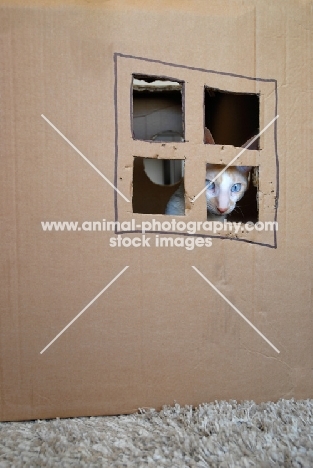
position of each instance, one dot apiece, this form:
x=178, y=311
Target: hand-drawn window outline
x=179, y=77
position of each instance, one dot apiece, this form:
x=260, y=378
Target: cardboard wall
x=159, y=333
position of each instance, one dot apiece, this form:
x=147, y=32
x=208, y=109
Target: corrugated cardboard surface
x=160, y=333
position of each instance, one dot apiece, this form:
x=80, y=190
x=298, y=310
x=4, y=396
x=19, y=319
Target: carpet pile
x=220, y=434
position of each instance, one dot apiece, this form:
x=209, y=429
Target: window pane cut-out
x=233, y=195
x=232, y=118
x=157, y=110
x=154, y=183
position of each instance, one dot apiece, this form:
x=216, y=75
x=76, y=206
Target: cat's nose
x=222, y=210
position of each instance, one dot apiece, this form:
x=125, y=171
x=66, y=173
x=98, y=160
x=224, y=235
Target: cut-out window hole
x=231, y=118
x=157, y=109
x=154, y=183
x=233, y=195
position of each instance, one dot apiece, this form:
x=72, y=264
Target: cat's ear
x=208, y=139
x=244, y=169
x=253, y=146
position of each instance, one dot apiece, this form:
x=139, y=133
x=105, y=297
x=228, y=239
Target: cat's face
x=223, y=194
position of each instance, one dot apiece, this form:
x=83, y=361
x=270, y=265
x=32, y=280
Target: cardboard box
x=76, y=338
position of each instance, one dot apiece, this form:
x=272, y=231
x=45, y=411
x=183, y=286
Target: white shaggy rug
x=221, y=434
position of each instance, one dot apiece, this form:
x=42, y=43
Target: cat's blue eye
x=236, y=188
x=209, y=185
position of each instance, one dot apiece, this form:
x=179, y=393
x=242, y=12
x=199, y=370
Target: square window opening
x=158, y=186
x=231, y=118
x=232, y=196
x=157, y=109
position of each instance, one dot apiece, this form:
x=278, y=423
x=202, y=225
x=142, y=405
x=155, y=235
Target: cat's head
x=223, y=194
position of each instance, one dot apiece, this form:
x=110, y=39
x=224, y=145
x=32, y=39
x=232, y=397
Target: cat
x=221, y=195
x=176, y=204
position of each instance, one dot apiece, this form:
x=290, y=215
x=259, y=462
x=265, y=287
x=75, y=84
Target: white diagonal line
x=236, y=310
x=84, y=157
x=236, y=157
x=84, y=309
